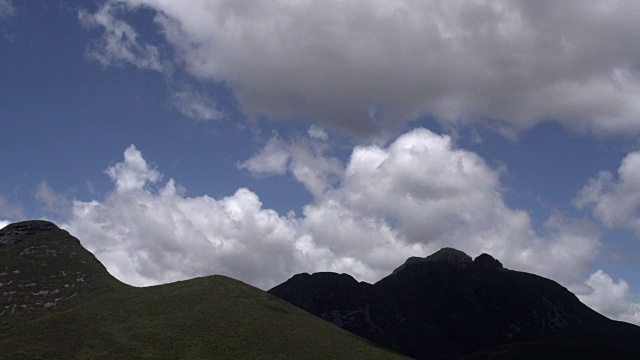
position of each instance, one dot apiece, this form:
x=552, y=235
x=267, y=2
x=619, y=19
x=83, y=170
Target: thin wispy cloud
x=7, y=10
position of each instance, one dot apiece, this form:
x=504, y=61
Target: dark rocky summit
x=448, y=306
x=486, y=262
x=16, y=232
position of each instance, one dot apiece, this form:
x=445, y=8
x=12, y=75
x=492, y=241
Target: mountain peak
x=448, y=306
x=445, y=255
x=42, y=269
x=486, y=262
x=15, y=233
x=450, y=256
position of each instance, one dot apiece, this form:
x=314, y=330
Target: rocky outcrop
x=486, y=262
x=14, y=233
x=44, y=269
x=453, y=257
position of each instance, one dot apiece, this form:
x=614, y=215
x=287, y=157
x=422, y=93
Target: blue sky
x=262, y=139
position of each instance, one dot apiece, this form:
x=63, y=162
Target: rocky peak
x=486, y=262
x=449, y=256
x=16, y=232
x=42, y=269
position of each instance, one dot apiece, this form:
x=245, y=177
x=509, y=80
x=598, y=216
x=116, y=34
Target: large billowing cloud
x=611, y=298
x=409, y=198
x=365, y=65
x=147, y=232
x=615, y=202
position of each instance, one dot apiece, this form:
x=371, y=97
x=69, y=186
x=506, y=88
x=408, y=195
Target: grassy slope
x=210, y=317
x=45, y=273
x=58, y=302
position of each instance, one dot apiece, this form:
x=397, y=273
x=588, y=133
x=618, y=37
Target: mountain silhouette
x=449, y=306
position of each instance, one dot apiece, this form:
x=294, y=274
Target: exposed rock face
x=16, y=232
x=43, y=268
x=448, y=306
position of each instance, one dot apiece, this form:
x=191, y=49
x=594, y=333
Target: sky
x=260, y=139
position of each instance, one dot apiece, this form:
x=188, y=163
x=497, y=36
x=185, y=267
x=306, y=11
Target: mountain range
x=57, y=301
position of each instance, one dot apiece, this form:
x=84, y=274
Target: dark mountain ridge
x=448, y=305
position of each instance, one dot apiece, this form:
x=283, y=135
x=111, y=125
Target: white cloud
x=146, y=232
x=134, y=173
x=409, y=198
x=615, y=202
x=195, y=105
x=611, y=298
x=431, y=194
x=7, y=10
x=317, y=133
x=120, y=43
x=4, y=223
x=368, y=65
x=304, y=158
x=150, y=237
x=146, y=236
x=273, y=159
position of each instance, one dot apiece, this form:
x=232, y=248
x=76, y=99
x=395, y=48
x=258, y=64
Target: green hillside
x=204, y=318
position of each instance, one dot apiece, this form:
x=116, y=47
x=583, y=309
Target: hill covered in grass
x=58, y=302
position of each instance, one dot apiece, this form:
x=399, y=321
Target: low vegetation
x=213, y=317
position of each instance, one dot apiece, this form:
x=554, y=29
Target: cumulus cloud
x=304, y=157
x=615, y=201
x=611, y=298
x=134, y=173
x=368, y=65
x=147, y=232
x=432, y=194
x=409, y=198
